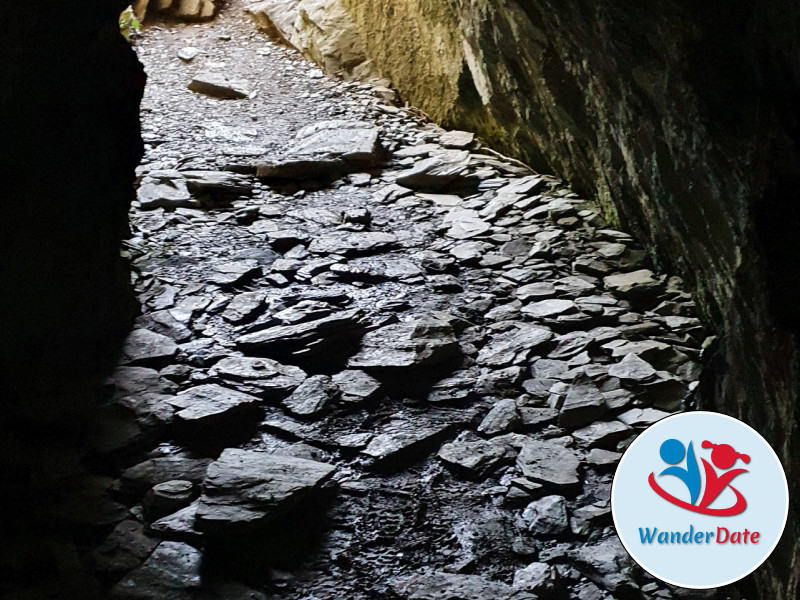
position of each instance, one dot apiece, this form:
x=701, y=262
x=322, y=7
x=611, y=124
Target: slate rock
x=327, y=150
x=539, y=290
x=642, y=417
x=603, y=458
x=503, y=418
x=547, y=516
x=180, y=525
x=125, y=548
x=514, y=346
x=602, y=434
x=353, y=243
x=307, y=341
x=357, y=386
x=171, y=573
x=219, y=86
x=212, y=414
x=235, y=273
x=188, y=53
x=533, y=419
x=607, y=564
x=130, y=381
x=666, y=392
x=136, y=480
x=165, y=189
x=438, y=585
x=587, y=518
x=164, y=322
x=245, y=307
x=549, y=308
x=633, y=284
x=245, y=490
x=465, y=225
x=632, y=368
x=312, y=397
x=149, y=349
x=166, y=498
x=375, y=270
x=538, y=578
x=400, y=440
x=217, y=185
x=355, y=142
x=262, y=377
x=425, y=342
x=472, y=456
x=458, y=140
x=524, y=185
x=583, y=405
x=437, y=172
x=549, y=463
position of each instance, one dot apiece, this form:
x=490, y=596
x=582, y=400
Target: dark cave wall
x=682, y=118
x=69, y=144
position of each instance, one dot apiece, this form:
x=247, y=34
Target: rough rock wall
x=68, y=149
x=682, y=118
x=187, y=10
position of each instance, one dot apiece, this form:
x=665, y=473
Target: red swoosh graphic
x=736, y=509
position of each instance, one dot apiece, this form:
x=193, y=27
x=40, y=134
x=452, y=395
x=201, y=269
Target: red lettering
x=720, y=539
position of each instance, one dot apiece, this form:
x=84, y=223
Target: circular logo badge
x=700, y=500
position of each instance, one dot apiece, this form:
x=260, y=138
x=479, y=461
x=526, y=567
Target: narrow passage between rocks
x=375, y=358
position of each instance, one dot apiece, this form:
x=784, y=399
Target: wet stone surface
x=375, y=359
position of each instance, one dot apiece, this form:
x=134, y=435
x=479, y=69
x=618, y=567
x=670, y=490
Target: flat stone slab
x=260, y=376
x=458, y=140
x=219, y=86
x=399, y=440
x=632, y=368
x=315, y=395
x=136, y=480
x=172, y=572
x=245, y=490
x=633, y=284
x=291, y=340
x=165, y=189
x=357, y=386
x=549, y=308
x=584, y=403
x=642, y=417
x=515, y=346
x=235, y=273
x=353, y=244
x=422, y=343
x=352, y=141
x=549, y=463
x=438, y=585
x=215, y=411
x=327, y=150
x=148, y=349
x=436, y=172
x=472, y=456
x=245, y=307
x=602, y=434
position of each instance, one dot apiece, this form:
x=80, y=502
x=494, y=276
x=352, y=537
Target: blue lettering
x=647, y=538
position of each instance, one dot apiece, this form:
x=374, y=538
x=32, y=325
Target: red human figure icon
x=724, y=457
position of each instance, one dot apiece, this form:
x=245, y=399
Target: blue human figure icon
x=672, y=453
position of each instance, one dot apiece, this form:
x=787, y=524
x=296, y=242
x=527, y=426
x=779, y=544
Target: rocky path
x=375, y=359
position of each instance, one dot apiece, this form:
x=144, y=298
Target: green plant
x=128, y=23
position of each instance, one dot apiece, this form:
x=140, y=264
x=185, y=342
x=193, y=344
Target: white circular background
x=635, y=505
